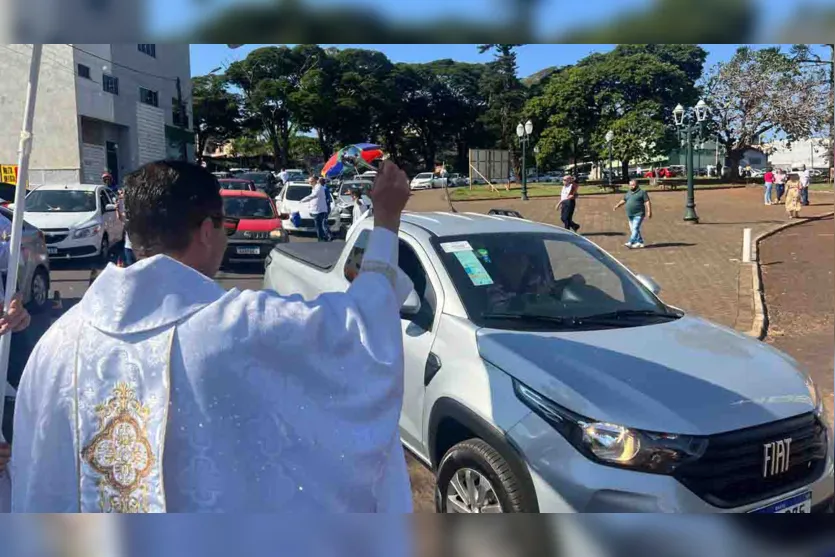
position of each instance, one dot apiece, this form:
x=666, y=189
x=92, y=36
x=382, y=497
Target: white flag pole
x=25, y=149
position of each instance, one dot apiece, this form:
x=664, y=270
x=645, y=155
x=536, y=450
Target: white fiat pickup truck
x=542, y=375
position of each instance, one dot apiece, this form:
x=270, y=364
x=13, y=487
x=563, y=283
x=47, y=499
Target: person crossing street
x=568, y=203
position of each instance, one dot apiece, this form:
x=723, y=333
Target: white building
x=811, y=152
x=100, y=107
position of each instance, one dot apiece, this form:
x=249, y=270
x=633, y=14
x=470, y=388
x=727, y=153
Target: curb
x=759, y=329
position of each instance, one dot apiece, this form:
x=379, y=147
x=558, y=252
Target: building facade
x=100, y=107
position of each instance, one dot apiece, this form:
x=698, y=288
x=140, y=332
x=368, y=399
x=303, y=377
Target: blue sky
x=532, y=57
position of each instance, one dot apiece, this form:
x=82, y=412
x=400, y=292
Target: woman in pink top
x=769, y=183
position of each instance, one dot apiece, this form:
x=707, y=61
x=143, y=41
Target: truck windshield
x=545, y=281
x=61, y=201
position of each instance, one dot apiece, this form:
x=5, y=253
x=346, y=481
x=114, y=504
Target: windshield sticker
x=474, y=269
x=453, y=247
x=484, y=255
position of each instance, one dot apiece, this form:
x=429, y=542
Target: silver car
x=542, y=375
x=33, y=277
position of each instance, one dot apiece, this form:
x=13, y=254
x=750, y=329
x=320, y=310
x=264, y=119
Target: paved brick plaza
x=697, y=266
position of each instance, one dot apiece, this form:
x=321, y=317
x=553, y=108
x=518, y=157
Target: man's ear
x=207, y=231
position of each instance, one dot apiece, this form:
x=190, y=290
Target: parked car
x=237, y=184
x=296, y=175
x=258, y=227
x=264, y=181
x=345, y=203
x=289, y=202
x=78, y=220
x=220, y=175
x=426, y=180
x=542, y=375
x=457, y=180
x=33, y=274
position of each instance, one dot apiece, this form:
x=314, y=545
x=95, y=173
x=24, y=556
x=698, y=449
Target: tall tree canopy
x=216, y=112
x=763, y=92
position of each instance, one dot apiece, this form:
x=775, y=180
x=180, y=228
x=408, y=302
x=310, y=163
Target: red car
x=236, y=184
x=258, y=228
x=662, y=173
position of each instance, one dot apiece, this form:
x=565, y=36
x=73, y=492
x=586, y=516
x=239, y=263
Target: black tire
x=478, y=455
x=34, y=305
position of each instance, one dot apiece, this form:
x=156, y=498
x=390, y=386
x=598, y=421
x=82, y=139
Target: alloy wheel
x=469, y=491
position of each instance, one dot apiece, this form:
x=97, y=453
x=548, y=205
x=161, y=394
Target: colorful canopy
x=353, y=157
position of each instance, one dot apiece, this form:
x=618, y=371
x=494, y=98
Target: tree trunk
x=624, y=172
x=734, y=156
x=323, y=145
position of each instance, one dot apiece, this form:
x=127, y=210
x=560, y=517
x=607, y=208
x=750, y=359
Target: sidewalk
x=697, y=266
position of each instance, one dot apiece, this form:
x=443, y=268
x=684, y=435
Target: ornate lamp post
x=689, y=121
x=524, y=133
x=610, y=135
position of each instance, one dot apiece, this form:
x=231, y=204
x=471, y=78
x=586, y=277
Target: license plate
x=52, y=251
x=249, y=251
x=797, y=504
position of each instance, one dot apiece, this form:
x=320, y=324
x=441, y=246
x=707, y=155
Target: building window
x=149, y=49
x=148, y=97
x=110, y=84
x=83, y=71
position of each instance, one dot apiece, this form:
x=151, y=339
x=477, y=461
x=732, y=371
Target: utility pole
x=181, y=110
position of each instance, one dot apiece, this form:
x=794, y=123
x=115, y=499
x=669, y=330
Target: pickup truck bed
x=320, y=255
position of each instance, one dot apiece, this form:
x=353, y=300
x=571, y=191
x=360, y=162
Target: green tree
x=505, y=96
x=312, y=103
x=761, y=92
x=216, y=112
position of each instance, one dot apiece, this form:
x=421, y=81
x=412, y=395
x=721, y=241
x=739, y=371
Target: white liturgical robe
x=160, y=391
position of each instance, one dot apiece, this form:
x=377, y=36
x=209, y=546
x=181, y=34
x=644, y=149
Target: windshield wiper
x=626, y=313
x=554, y=319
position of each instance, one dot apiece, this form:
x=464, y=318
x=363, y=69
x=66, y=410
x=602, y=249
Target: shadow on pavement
x=591, y=234
x=669, y=245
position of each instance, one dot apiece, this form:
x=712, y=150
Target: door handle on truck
x=433, y=366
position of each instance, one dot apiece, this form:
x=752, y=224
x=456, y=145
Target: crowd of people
x=790, y=189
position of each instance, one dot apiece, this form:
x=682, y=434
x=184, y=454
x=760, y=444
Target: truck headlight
x=277, y=234
x=87, y=231
x=613, y=444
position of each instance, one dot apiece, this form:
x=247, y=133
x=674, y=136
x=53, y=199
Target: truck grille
x=55, y=235
x=730, y=473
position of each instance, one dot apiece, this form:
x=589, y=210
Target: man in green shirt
x=638, y=207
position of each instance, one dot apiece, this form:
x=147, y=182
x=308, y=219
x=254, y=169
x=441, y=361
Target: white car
x=77, y=220
x=542, y=375
x=289, y=202
x=426, y=180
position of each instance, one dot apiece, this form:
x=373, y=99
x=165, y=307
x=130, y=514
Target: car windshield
x=423, y=176
x=257, y=177
x=248, y=208
x=544, y=281
x=346, y=187
x=61, y=201
x=233, y=185
x=297, y=193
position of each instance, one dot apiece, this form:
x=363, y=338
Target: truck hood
x=58, y=220
x=258, y=225
x=687, y=376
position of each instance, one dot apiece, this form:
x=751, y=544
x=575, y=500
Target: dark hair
x=165, y=201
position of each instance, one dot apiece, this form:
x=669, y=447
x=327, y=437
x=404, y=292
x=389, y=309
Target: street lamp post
x=610, y=135
x=690, y=121
x=524, y=133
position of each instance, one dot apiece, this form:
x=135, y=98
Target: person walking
x=161, y=391
x=793, y=198
x=568, y=203
x=638, y=207
x=768, y=178
x=805, y=180
x=283, y=176
x=780, y=177
x=318, y=208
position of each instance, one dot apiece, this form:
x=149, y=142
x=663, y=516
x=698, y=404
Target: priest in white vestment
x=160, y=391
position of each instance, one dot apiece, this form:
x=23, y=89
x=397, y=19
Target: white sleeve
x=313, y=193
